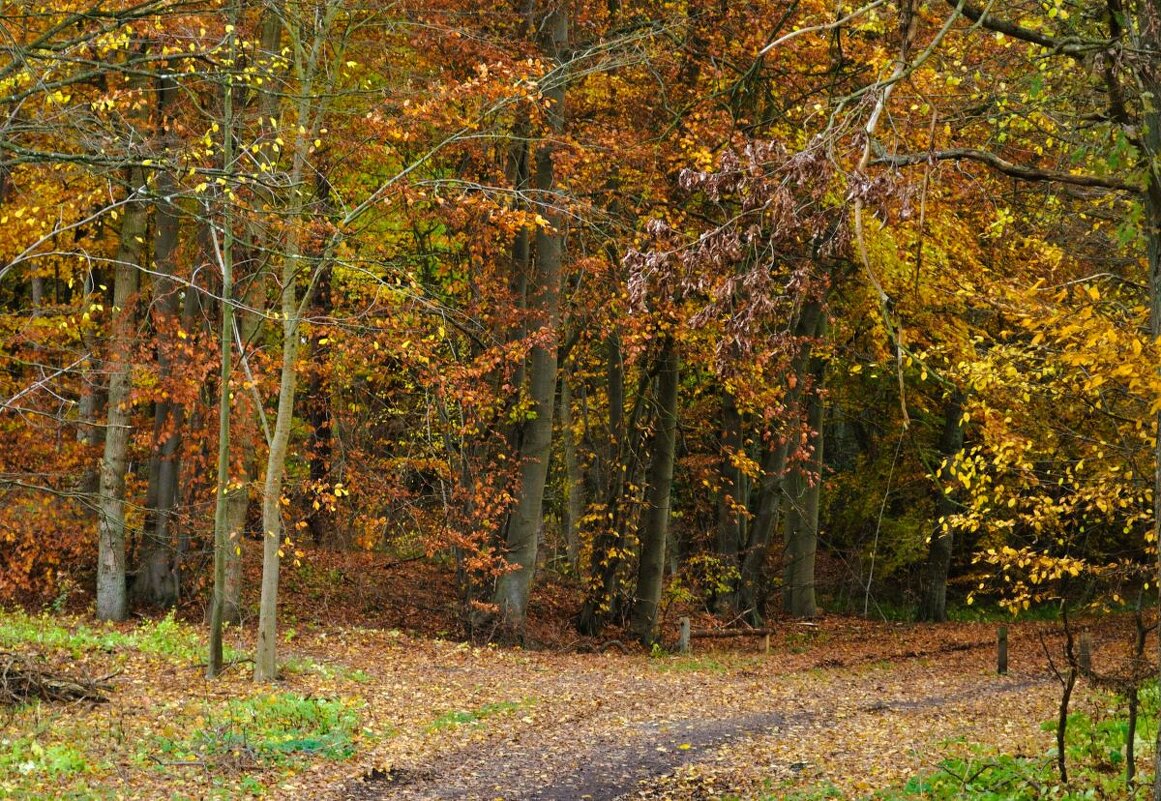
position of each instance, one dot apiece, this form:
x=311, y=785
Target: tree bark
x=655, y=525
x=112, y=595
x=933, y=606
x=803, y=491
x=767, y=502
x=574, y=506
x=226, y=341
x=732, y=498
x=156, y=580
x=524, y=525
x=1149, y=28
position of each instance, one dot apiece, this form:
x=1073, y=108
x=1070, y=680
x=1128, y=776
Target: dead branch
x=21, y=681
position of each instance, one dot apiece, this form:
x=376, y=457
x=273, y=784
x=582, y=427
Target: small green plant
x=26, y=756
x=1095, y=759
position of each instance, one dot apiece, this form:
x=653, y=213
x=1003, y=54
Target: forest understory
x=838, y=706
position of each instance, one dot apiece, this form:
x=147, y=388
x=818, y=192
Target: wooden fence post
x=683, y=642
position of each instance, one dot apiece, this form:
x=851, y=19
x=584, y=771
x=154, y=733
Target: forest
x=803, y=319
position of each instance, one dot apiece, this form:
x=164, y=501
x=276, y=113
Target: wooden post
x=766, y=645
x=1002, y=651
x=1084, y=655
x=683, y=642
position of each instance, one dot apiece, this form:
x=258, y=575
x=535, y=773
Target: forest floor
x=842, y=707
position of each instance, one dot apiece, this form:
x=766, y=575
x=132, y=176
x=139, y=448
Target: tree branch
x=1020, y=171
x=1070, y=46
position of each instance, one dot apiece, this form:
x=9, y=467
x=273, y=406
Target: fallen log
x=21, y=681
x=713, y=634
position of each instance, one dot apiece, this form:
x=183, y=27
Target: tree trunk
x=621, y=469
x=156, y=580
x=1149, y=26
x=655, y=525
x=524, y=526
x=112, y=596
x=733, y=494
x=767, y=503
x=226, y=336
x=237, y=510
x=574, y=484
x=933, y=606
x=803, y=488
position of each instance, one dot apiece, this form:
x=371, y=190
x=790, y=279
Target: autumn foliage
x=882, y=273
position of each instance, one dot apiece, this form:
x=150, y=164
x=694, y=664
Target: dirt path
x=606, y=728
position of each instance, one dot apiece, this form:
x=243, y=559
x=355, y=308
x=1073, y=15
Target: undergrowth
x=1095, y=758
x=165, y=637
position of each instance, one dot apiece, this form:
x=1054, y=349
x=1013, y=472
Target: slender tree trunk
x=655, y=525
x=622, y=468
x=226, y=335
x=1149, y=26
x=768, y=498
x=112, y=597
x=237, y=510
x=318, y=415
x=933, y=607
x=573, y=480
x=524, y=526
x=803, y=490
x=732, y=497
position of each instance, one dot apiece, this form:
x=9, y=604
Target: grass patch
x=1095, y=757
x=475, y=717
x=688, y=664
x=275, y=728
x=166, y=637
x=34, y=768
x=305, y=665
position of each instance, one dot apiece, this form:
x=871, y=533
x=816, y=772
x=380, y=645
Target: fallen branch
x=21, y=682
x=713, y=634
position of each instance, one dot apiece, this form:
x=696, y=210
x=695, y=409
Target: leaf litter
x=366, y=713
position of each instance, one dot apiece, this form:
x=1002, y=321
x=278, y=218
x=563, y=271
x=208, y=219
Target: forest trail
x=855, y=712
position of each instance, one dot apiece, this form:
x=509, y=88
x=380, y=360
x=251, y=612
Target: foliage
x=275, y=728
x=166, y=636
x=1095, y=753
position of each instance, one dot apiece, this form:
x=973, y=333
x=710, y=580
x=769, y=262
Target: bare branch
x=1020, y=171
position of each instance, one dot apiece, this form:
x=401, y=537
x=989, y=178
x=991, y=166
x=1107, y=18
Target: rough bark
x=524, y=525
x=112, y=595
x=655, y=525
x=933, y=605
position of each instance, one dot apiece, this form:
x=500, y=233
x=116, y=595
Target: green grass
x=305, y=665
x=165, y=637
x=460, y=717
x=1095, y=758
x=274, y=728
